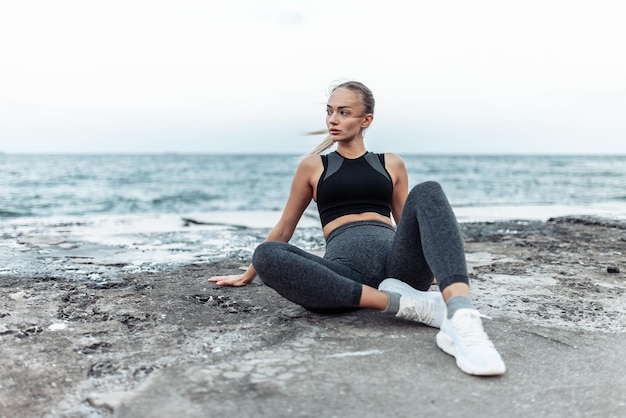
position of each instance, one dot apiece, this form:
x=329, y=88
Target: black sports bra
x=353, y=186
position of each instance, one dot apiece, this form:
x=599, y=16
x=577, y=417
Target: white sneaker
x=425, y=307
x=463, y=337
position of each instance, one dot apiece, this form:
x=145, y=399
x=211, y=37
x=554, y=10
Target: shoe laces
x=420, y=310
x=470, y=329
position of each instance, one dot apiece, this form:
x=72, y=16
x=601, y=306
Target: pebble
x=18, y=296
x=57, y=327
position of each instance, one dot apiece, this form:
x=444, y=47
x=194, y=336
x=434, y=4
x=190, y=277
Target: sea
x=149, y=211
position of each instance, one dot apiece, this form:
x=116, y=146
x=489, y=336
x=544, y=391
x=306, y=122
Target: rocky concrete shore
x=167, y=343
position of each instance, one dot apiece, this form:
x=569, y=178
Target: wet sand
x=167, y=343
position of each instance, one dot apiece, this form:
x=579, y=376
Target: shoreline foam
x=57, y=245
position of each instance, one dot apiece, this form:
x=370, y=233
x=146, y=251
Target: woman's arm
x=300, y=196
x=395, y=166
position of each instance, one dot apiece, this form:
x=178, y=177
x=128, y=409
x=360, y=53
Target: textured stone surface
x=168, y=343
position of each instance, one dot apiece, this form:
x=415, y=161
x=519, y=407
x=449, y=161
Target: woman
x=357, y=192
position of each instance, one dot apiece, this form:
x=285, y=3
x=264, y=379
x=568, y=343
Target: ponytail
x=322, y=146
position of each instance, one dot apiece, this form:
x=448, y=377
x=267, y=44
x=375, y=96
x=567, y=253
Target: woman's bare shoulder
x=310, y=163
x=393, y=160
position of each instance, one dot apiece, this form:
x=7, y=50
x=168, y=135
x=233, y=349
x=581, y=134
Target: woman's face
x=345, y=117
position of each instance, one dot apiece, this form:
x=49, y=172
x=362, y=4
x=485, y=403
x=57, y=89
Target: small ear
x=367, y=120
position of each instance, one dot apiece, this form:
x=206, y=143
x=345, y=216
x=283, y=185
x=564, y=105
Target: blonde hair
x=322, y=146
x=366, y=97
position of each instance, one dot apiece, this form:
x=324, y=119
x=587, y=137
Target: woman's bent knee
x=427, y=188
x=265, y=253
x=267, y=258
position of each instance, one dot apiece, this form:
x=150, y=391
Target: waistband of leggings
x=356, y=224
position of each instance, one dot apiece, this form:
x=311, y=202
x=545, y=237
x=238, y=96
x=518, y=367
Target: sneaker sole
x=447, y=345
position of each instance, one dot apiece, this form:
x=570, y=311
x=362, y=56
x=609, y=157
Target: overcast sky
x=252, y=76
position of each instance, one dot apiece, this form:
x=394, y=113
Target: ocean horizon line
x=294, y=154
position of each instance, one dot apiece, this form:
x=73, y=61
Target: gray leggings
x=427, y=243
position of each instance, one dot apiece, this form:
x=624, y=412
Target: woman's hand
x=232, y=280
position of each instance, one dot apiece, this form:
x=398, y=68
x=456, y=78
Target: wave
x=186, y=197
x=11, y=214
